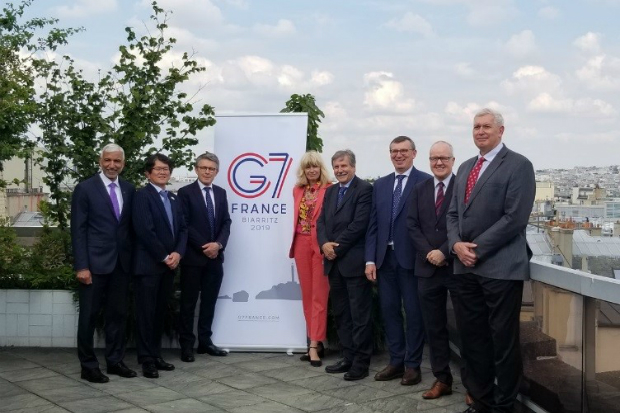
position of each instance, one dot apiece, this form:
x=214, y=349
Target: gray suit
x=495, y=219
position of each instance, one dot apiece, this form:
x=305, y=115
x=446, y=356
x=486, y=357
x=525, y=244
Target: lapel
x=103, y=191
x=412, y=180
x=125, y=188
x=447, y=196
x=200, y=194
x=348, y=194
x=156, y=199
x=499, y=158
x=174, y=206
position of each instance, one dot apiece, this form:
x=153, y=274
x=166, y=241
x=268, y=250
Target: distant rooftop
x=595, y=246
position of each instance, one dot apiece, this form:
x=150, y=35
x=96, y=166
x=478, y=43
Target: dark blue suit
x=199, y=273
x=155, y=240
x=103, y=245
x=395, y=269
x=428, y=231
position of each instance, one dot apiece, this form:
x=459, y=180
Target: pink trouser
x=314, y=286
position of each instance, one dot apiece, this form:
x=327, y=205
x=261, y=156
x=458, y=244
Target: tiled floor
x=48, y=380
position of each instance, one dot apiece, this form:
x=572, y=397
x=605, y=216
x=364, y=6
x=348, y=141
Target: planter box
x=38, y=318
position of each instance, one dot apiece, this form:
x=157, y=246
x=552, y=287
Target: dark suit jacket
x=198, y=228
x=381, y=215
x=346, y=225
x=495, y=217
x=99, y=240
x=427, y=229
x=154, y=237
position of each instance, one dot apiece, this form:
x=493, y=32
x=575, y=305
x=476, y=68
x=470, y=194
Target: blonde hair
x=311, y=158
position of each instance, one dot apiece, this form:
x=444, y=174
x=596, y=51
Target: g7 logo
x=244, y=174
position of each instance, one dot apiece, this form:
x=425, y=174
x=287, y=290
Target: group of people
x=420, y=238
x=119, y=234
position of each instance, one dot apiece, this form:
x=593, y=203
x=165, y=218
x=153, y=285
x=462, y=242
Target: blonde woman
x=308, y=193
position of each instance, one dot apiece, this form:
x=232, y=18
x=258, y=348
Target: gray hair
x=445, y=143
x=209, y=157
x=112, y=147
x=342, y=153
x=497, y=117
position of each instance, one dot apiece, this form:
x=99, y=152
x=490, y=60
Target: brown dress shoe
x=412, y=376
x=437, y=390
x=468, y=400
x=390, y=373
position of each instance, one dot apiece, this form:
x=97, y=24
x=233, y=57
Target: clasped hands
x=465, y=253
x=436, y=258
x=211, y=249
x=328, y=250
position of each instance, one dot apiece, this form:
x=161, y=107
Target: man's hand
x=328, y=250
x=211, y=249
x=173, y=260
x=371, y=272
x=84, y=277
x=436, y=257
x=465, y=253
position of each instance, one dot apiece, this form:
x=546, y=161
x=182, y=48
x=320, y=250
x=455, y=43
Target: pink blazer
x=298, y=193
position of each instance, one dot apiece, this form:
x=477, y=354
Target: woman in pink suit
x=312, y=180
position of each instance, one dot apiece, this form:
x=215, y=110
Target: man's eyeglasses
x=207, y=169
x=444, y=159
x=394, y=152
x=161, y=169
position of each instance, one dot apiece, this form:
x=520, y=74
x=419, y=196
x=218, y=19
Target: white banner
x=259, y=306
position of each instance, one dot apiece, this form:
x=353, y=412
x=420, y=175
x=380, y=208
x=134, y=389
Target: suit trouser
x=352, y=306
x=107, y=291
x=398, y=289
x=489, y=323
x=152, y=293
x=205, y=281
x=314, y=286
x=433, y=293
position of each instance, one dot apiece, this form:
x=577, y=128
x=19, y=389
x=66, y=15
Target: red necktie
x=473, y=178
x=440, y=196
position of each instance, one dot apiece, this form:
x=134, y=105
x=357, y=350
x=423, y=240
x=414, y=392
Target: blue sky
x=380, y=69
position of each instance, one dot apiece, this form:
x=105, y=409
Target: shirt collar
x=492, y=153
x=406, y=173
x=107, y=181
x=203, y=186
x=446, y=181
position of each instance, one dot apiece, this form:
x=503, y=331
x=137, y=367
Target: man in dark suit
x=161, y=236
x=390, y=262
x=205, y=208
x=491, y=204
x=340, y=231
x=433, y=263
x=101, y=236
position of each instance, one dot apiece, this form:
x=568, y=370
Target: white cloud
x=465, y=114
x=601, y=73
x=413, y=23
x=321, y=78
x=586, y=107
x=83, y=8
x=282, y=28
x=386, y=94
x=464, y=69
x=589, y=42
x=522, y=45
x=532, y=80
x=548, y=12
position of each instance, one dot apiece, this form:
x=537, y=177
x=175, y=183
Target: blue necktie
x=167, y=207
x=210, y=210
x=341, y=192
x=398, y=191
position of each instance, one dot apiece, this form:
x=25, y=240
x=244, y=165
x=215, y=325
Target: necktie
x=210, y=210
x=167, y=207
x=398, y=191
x=439, y=199
x=473, y=178
x=341, y=192
x=114, y=199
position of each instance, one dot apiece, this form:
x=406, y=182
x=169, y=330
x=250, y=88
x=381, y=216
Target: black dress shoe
x=352, y=375
x=120, y=369
x=187, y=356
x=342, y=366
x=212, y=350
x=149, y=370
x=160, y=364
x=470, y=409
x=94, y=375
